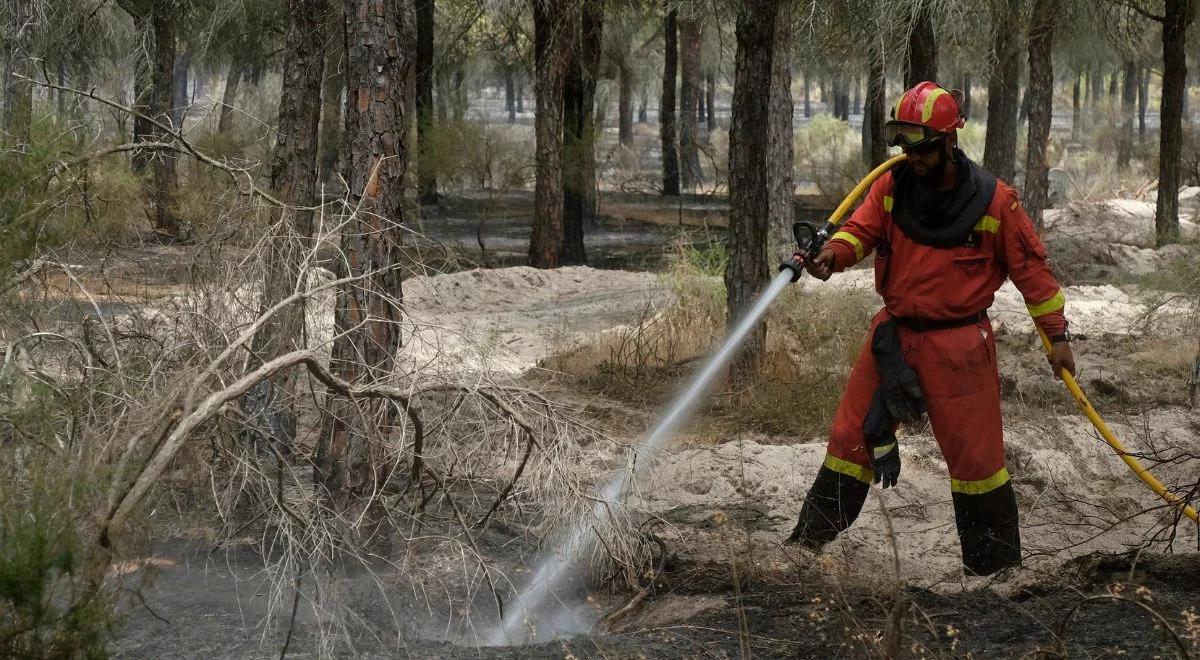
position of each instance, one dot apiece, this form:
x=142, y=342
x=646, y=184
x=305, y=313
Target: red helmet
x=924, y=113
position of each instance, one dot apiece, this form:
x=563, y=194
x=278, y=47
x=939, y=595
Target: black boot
x=831, y=506
x=988, y=530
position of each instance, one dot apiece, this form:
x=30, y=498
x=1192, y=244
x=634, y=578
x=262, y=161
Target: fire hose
x=810, y=242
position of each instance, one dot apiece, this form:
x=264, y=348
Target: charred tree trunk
x=1000, y=145
x=18, y=92
x=554, y=36
x=179, y=96
x=229, y=97
x=710, y=101
x=873, y=117
x=1040, y=94
x=1075, y=107
x=922, y=61
x=510, y=94
x=760, y=160
x=579, y=137
x=1178, y=17
x=349, y=462
x=333, y=89
x=624, y=104
x=427, y=188
x=666, y=106
x=270, y=404
x=162, y=197
x=1129, y=89
x=807, y=96
x=1143, y=101
x=689, y=93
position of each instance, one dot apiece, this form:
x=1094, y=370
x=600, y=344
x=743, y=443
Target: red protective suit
x=956, y=366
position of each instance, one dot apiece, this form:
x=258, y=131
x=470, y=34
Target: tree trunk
x=760, y=160
x=1096, y=78
x=966, y=90
x=179, y=97
x=270, y=405
x=1128, y=108
x=554, y=35
x=1040, y=94
x=807, y=96
x=332, y=90
x=1178, y=16
x=710, y=101
x=666, y=107
x=579, y=135
x=700, y=113
x=1075, y=106
x=873, y=117
x=510, y=94
x=349, y=462
x=162, y=197
x=520, y=95
x=1023, y=108
x=427, y=187
x=689, y=93
x=460, y=101
x=625, y=104
x=857, y=97
x=1000, y=144
x=1114, y=84
x=922, y=47
x=643, y=112
x=1143, y=101
x=229, y=97
x=18, y=93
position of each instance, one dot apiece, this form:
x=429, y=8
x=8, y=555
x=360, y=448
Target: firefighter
x=945, y=234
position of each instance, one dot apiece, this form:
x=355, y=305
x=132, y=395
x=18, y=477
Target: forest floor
x=1094, y=537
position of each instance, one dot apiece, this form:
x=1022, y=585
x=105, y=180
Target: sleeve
x=1029, y=268
x=858, y=236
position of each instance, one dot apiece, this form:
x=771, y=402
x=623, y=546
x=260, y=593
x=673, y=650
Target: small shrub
x=829, y=154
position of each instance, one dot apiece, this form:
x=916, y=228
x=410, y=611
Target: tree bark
x=554, y=35
x=760, y=160
x=18, y=93
x=1128, y=109
x=579, y=137
x=689, y=93
x=349, y=465
x=624, y=104
x=1143, y=101
x=873, y=117
x=333, y=89
x=807, y=96
x=922, y=61
x=293, y=180
x=1041, y=101
x=1178, y=15
x=161, y=198
x=1000, y=144
x=427, y=187
x=666, y=106
x=229, y=97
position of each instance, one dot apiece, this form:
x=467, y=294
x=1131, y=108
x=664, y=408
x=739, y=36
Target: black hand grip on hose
x=809, y=241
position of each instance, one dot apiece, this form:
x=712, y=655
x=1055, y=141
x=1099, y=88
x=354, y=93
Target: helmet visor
x=904, y=135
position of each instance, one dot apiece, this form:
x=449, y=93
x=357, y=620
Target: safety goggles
x=908, y=136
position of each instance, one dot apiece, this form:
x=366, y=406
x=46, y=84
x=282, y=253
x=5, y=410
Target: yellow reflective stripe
x=988, y=223
x=852, y=240
x=1053, y=305
x=849, y=469
x=896, y=110
x=879, y=452
x=887, y=203
x=982, y=486
x=927, y=111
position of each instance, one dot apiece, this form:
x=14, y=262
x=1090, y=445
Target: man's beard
x=935, y=173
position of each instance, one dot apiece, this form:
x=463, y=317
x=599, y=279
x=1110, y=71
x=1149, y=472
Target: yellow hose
x=1068, y=380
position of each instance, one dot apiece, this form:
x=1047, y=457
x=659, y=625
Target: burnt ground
x=1097, y=606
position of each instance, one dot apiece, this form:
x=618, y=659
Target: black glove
x=881, y=442
x=899, y=384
